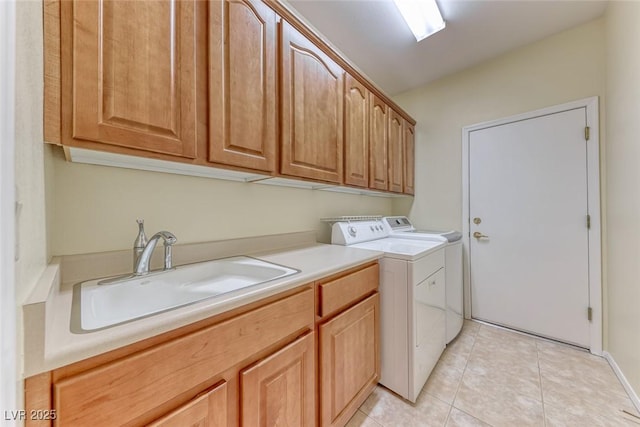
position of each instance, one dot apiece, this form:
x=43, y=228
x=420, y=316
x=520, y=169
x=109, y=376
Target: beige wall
x=623, y=185
x=95, y=207
x=561, y=68
x=31, y=236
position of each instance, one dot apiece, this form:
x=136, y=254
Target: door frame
x=8, y=355
x=593, y=200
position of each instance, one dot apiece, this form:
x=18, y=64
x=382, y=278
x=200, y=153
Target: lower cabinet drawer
x=338, y=293
x=128, y=390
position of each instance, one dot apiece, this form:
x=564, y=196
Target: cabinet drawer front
x=425, y=267
x=349, y=361
x=339, y=293
x=128, y=389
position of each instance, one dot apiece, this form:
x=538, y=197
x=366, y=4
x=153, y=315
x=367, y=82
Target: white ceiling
x=372, y=34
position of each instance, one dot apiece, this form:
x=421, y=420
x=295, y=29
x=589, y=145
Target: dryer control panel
x=351, y=232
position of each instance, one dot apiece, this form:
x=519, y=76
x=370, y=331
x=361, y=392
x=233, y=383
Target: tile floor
x=490, y=376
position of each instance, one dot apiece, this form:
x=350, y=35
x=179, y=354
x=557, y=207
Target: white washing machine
x=412, y=302
x=400, y=226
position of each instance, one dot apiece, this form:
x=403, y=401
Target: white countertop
x=57, y=346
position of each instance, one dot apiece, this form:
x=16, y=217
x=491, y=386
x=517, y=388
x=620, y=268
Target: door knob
x=479, y=235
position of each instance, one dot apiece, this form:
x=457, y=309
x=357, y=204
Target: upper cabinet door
x=242, y=84
x=396, y=169
x=409, y=158
x=378, y=173
x=134, y=74
x=312, y=108
x=356, y=133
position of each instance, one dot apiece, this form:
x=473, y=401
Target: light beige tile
x=521, y=378
x=560, y=417
x=582, y=400
x=457, y=418
x=457, y=351
x=491, y=402
x=390, y=410
x=470, y=327
x=574, y=366
x=359, y=419
x=500, y=337
x=443, y=382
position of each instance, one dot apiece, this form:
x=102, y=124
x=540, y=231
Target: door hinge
x=587, y=131
x=588, y=222
x=589, y=314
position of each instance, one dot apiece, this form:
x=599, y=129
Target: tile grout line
x=544, y=412
x=369, y=418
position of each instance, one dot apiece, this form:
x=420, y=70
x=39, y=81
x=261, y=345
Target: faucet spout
x=142, y=267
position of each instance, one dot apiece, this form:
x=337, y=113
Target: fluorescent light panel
x=422, y=16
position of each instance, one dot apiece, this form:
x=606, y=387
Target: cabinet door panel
x=396, y=169
x=280, y=390
x=378, y=173
x=312, y=108
x=207, y=410
x=409, y=158
x=242, y=84
x=356, y=133
x=349, y=360
x=134, y=68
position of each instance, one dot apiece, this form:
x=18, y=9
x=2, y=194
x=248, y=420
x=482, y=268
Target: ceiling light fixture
x=422, y=16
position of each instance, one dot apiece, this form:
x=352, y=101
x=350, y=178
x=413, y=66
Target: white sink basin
x=97, y=306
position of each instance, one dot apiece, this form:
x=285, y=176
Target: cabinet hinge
x=589, y=314
x=587, y=131
x=588, y=222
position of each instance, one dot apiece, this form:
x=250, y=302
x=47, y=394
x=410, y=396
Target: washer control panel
x=348, y=233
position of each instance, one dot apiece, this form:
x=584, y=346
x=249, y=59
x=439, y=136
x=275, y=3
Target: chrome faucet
x=142, y=267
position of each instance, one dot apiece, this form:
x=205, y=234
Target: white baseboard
x=627, y=387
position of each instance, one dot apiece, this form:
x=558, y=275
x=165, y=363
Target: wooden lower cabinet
x=306, y=356
x=207, y=410
x=349, y=361
x=280, y=390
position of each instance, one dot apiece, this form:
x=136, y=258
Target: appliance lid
x=401, y=248
x=450, y=235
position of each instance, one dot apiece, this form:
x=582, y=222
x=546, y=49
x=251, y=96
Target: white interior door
x=528, y=195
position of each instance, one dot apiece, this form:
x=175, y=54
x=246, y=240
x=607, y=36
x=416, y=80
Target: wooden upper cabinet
x=312, y=110
x=133, y=68
x=396, y=155
x=409, y=158
x=280, y=390
x=379, y=116
x=242, y=84
x=356, y=133
x=207, y=410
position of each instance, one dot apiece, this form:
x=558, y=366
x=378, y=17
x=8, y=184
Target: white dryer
x=412, y=302
x=401, y=227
